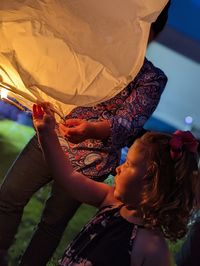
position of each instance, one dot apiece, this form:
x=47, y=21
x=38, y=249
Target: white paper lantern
x=72, y=52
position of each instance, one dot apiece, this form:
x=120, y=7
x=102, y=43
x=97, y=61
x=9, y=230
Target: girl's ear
x=152, y=169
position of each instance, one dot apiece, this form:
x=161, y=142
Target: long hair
x=169, y=192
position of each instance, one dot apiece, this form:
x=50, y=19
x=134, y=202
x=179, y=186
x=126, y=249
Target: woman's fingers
x=73, y=122
x=61, y=129
x=68, y=132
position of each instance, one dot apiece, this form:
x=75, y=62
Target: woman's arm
x=77, y=185
x=130, y=117
x=137, y=108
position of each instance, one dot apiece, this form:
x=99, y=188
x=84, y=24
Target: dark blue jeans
x=28, y=174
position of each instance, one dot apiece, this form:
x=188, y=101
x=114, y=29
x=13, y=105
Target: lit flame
x=4, y=93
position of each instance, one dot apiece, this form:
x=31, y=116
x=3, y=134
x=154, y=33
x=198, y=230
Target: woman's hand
x=43, y=118
x=78, y=130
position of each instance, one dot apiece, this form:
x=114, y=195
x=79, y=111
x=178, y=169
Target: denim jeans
x=28, y=174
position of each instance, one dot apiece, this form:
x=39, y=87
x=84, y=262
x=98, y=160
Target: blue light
x=188, y=120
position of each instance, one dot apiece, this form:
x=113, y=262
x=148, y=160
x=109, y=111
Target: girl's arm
x=77, y=185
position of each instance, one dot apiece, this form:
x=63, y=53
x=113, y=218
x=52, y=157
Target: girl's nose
x=118, y=169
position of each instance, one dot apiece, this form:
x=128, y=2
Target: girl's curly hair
x=169, y=192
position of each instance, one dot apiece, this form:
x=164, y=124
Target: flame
x=4, y=93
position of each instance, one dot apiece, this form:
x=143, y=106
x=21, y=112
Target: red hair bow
x=182, y=140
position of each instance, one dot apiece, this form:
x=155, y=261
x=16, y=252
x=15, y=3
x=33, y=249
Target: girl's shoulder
x=150, y=248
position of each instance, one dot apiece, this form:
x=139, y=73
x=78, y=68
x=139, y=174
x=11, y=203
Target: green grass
x=13, y=137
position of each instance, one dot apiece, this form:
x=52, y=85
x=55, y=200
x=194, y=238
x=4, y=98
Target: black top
x=106, y=240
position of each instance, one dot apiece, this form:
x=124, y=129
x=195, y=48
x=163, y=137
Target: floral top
x=127, y=112
x=105, y=241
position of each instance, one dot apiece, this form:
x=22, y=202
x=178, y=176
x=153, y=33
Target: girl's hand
x=76, y=130
x=43, y=119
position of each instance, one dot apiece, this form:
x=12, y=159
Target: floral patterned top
x=127, y=112
x=106, y=240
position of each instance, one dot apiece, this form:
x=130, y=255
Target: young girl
x=152, y=198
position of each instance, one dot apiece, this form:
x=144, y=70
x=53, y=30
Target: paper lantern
x=72, y=52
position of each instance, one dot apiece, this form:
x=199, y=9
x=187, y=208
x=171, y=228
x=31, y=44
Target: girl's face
x=129, y=178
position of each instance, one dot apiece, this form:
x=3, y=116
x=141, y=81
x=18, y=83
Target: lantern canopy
x=72, y=52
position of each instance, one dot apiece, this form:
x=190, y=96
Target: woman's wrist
x=100, y=130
